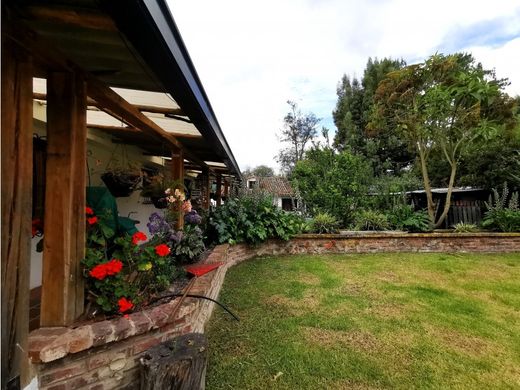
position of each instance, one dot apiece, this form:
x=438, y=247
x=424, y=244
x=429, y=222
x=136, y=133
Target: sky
x=253, y=56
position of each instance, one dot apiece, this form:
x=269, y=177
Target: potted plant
x=121, y=182
x=159, y=189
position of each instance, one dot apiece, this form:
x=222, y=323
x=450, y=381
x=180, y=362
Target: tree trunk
x=178, y=364
x=447, y=204
x=427, y=187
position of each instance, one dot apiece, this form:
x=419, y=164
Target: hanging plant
x=122, y=178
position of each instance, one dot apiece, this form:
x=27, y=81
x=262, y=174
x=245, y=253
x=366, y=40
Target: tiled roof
x=275, y=185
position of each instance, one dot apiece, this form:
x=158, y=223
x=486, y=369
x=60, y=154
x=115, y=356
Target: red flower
x=99, y=272
x=92, y=220
x=139, y=236
x=89, y=211
x=113, y=267
x=162, y=250
x=124, y=305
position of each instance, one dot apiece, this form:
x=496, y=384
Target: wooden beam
x=16, y=183
x=51, y=58
x=90, y=20
x=64, y=200
x=121, y=130
x=219, y=189
x=177, y=170
x=226, y=189
x=205, y=190
x=140, y=107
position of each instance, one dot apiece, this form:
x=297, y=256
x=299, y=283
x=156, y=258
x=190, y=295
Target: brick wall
x=105, y=355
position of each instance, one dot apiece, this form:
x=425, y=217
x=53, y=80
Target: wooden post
x=17, y=123
x=206, y=190
x=226, y=189
x=219, y=189
x=178, y=174
x=64, y=242
x=176, y=364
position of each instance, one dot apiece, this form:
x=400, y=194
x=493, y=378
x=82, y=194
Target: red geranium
x=98, y=272
x=89, y=211
x=139, y=236
x=124, y=305
x=114, y=266
x=92, y=220
x=162, y=250
x=101, y=271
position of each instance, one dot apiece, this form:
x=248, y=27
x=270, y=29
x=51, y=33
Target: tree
x=385, y=150
x=260, y=170
x=299, y=129
x=332, y=182
x=443, y=105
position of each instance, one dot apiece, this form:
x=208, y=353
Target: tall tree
x=353, y=109
x=260, y=170
x=443, y=105
x=298, y=131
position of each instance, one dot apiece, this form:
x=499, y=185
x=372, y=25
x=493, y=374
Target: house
x=278, y=187
x=83, y=84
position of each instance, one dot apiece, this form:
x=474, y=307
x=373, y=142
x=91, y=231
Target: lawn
x=369, y=321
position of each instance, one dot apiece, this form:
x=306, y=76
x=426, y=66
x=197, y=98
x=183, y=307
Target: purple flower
x=175, y=236
x=193, y=218
x=158, y=225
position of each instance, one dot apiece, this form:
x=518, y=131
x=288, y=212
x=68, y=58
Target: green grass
x=432, y=321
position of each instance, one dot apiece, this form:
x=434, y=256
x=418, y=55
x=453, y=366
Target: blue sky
x=254, y=56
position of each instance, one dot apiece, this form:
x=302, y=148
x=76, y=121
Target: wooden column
x=17, y=122
x=178, y=174
x=219, y=189
x=205, y=190
x=64, y=243
x=226, y=189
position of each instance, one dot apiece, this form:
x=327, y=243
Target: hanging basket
x=159, y=202
x=120, y=184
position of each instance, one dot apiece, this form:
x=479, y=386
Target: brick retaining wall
x=105, y=355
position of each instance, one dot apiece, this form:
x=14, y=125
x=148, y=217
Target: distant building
x=278, y=187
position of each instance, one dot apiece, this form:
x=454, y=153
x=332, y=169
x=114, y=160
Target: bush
x=502, y=216
x=251, y=218
x=335, y=183
x=371, y=220
x=324, y=223
x=403, y=217
x=462, y=227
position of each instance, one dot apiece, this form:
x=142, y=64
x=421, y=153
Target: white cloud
x=254, y=56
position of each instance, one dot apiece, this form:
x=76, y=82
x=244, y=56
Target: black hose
x=202, y=297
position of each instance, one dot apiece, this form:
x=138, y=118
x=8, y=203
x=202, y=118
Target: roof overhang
x=135, y=45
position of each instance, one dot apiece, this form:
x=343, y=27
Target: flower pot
x=159, y=202
x=120, y=184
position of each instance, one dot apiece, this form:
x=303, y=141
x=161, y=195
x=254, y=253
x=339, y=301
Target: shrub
x=403, y=217
x=462, y=227
x=324, y=223
x=502, y=215
x=371, y=220
x=331, y=182
x=251, y=218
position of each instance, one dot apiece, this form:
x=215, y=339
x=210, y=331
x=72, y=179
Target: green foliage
x=462, y=227
x=503, y=212
x=403, y=217
x=190, y=245
x=385, y=150
x=331, y=182
x=324, y=223
x=260, y=170
x=387, y=192
x=251, y=218
x=371, y=220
